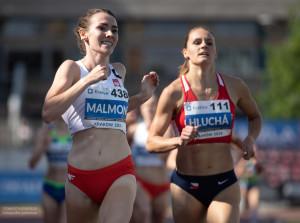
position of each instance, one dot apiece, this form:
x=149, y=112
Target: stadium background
x=36, y=36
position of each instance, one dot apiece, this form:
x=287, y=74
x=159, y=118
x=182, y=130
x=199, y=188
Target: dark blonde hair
x=184, y=68
x=83, y=23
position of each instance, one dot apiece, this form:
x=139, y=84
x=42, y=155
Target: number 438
x=119, y=93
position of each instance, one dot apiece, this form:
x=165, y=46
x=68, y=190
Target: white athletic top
x=102, y=105
x=140, y=155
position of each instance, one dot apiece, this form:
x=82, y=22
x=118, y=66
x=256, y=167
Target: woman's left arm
x=148, y=85
x=249, y=107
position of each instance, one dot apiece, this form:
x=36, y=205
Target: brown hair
x=184, y=68
x=83, y=23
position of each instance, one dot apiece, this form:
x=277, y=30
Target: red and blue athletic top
x=215, y=118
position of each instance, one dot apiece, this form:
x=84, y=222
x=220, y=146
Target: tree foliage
x=281, y=96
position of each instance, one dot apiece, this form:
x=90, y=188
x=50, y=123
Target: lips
x=107, y=43
x=204, y=54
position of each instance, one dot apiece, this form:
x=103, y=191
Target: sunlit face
x=102, y=34
x=200, y=47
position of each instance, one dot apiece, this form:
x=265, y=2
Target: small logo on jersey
x=116, y=82
x=90, y=91
x=221, y=182
x=70, y=176
x=194, y=186
x=188, y=107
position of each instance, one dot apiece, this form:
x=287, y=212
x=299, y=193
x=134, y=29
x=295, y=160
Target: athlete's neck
x=202, y=79
x=91, y=62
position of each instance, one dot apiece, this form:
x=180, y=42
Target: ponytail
x=184, y=68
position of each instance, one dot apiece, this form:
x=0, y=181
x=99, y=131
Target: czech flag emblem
x=194, y=186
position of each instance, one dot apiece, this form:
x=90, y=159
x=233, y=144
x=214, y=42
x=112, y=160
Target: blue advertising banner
x=20, y=187
x=275, y=134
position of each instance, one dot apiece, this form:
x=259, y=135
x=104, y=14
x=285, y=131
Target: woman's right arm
x=67, y=87
x=41, y=144
x=167, y=106
x=63, y=92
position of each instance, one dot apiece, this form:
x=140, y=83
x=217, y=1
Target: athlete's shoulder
x=69, y=67
x=173, y=92
x=70, y=64
x=120, y=68
x=232, y=81
x=235, y=86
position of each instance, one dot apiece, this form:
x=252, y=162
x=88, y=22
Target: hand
x=259, y=168
x=248, y=148
x=99, y=73
x=188, y=134
x=148, y=84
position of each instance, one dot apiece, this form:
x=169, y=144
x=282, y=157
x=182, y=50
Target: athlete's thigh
x=225, y=206
x=50, y=208
x=63, y=212
x=185, y=207
x=142, y=201
x=253, y=197
x=80, y=208
x=142, y=206
x=118, y=202
x=159, y=207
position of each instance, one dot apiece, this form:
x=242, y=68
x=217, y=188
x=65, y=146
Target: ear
x=82, y=34
x=216, y=56
x=185, y=54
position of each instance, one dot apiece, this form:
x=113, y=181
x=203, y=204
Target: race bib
x=213, y=117
x=106, y=107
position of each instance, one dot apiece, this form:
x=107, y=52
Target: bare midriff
x=96, y=148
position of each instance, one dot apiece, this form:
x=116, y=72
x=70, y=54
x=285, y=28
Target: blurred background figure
x=131, y=120
x=152, y=197
x=55, y=142
x=248, y=173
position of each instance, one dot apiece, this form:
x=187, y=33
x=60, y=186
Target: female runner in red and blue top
x=201, y=104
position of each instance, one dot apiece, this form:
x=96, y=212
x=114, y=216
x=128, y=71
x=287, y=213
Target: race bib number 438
x=106, y=107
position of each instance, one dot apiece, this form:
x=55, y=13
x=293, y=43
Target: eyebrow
x=105, y=24
x=197, y=38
